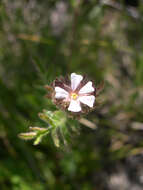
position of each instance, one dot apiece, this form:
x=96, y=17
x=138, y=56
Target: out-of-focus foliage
x=40, y=40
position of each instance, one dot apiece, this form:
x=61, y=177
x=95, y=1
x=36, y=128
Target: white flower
x=76, y=93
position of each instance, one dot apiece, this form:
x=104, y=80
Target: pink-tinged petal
x=75, y=80
x=74, y=106
x=60, y=93
x=87, y=100
x=88, y=88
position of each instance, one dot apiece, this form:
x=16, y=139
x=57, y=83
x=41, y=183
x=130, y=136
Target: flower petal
x=74, y=106
x=60, y=93
x=88, y=100
x=75, y=80
x=88, y=88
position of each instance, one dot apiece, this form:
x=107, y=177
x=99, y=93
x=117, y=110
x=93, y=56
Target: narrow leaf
x=28, y=135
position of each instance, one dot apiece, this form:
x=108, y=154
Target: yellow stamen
x=74, y=96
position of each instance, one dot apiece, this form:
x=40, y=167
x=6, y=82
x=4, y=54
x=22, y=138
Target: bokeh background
x=40, y=40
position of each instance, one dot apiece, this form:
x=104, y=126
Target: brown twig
x=87, y=123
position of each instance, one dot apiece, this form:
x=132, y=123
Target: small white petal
x=88, y=88
x=75, y=80
x=88, y=100
x=74, y=106
x=60, y=93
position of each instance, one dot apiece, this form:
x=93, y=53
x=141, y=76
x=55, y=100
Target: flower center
x=74, y=96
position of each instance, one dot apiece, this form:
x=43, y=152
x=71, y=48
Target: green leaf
x=55, y=137
x=39, y=137
x=37, y=129
x=28, y=135
x=47, y=117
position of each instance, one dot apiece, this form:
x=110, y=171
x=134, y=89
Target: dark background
x=40, y=40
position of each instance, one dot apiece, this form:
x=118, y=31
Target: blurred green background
x=40, y=40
